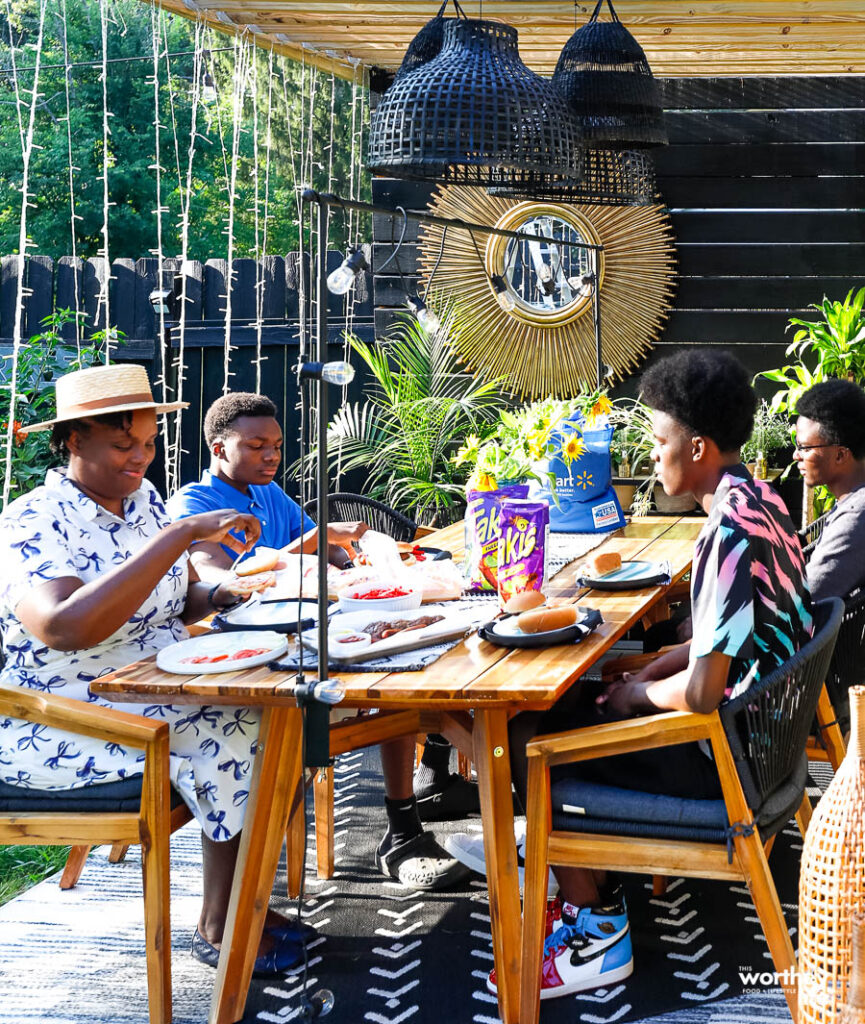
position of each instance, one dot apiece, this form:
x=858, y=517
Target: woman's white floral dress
x=56, y=531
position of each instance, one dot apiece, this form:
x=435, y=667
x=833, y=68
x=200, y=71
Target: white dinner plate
x=211, y=645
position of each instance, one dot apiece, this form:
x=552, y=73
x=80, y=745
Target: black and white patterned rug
x=389, y=956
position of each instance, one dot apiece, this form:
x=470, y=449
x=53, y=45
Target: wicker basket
x=832, y=882
x=854, y=1010
x=427, y=43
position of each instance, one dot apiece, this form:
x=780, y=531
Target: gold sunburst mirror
x=521, y=309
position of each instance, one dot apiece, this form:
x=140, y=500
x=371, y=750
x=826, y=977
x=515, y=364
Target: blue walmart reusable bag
x=587, y=502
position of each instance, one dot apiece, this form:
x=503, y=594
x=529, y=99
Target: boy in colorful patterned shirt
x=751, y=611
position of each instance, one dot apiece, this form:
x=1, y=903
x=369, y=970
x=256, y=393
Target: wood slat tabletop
x=472, y=673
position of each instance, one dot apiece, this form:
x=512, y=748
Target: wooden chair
x=134, y=810
x=758, y=743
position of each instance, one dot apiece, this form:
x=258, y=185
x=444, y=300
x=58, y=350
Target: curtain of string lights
x=268, y=93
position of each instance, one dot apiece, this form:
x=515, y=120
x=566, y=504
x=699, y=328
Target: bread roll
x=541, y=620
x=262, y=560
x=602, y=562
x=524, y=601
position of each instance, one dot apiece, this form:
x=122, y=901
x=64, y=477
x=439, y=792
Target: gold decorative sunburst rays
x=550, y=351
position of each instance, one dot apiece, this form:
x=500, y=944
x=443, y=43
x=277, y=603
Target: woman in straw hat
x=96, y=576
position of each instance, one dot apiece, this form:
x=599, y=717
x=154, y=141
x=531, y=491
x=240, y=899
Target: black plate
x=588, y=622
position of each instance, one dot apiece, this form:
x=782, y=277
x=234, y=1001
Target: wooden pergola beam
x=680, y=37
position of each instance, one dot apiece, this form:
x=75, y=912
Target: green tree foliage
x=294, y=91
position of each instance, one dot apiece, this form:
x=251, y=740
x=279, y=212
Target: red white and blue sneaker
x=588, y=948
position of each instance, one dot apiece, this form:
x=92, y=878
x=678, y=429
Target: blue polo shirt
x=282, y=519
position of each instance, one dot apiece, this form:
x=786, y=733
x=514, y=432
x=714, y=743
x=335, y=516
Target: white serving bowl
x=350, y=601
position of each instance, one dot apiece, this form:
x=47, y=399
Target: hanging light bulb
x=425, y=316
x=339, y=281
x=582, y=286
x=334, y=373
x=546, y=279
x=208, y=88
x=503, y=295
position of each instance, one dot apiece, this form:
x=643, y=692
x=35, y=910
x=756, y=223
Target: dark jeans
x=683, y=770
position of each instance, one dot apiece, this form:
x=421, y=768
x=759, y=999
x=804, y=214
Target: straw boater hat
x=103, y=389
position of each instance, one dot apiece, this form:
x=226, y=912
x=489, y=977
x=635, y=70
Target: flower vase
x=832, y=882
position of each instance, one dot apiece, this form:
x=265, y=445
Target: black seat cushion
x=595, y=808
x=123, y=795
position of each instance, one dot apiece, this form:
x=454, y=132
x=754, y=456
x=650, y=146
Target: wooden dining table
x=468, y=695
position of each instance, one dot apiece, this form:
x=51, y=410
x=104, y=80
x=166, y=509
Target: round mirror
x=550, y=280
x=545, y=275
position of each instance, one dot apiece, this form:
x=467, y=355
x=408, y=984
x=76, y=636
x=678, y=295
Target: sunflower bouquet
x=525, y=438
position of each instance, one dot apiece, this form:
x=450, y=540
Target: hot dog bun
x=541, y=620
x=524, y=601
x=603, y=562
x=262, y=560
x=250, y=584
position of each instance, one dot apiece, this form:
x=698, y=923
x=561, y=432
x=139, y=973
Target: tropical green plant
x=633, y=441
x=41, y=359
x=420, y=408
x=831, y=347
x=771, y=433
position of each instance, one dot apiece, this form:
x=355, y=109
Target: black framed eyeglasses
x=810, y=447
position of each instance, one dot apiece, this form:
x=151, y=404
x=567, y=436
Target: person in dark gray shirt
x=830, y=450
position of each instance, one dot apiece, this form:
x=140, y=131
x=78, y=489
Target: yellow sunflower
x=572, y=448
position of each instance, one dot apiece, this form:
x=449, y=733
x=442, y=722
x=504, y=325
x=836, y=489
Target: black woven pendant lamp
x=428, y=42
x=476, y=115
x=603, y=74
x=611, y=177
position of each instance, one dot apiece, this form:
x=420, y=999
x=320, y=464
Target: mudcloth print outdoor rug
x=389, y=956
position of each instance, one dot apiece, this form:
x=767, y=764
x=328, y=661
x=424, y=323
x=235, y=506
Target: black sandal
x=420, y=863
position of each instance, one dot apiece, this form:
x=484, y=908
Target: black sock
x=403, y=823
x=433, y=771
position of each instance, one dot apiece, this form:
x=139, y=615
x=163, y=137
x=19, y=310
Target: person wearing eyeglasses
x=830, y=450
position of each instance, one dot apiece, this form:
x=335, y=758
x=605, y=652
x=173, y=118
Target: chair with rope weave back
x=139, y=809
x=810, y=534
x=758, y=744
x=357, y=508
x=846, y=669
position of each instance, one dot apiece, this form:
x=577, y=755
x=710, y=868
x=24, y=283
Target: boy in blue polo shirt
x=245, y=442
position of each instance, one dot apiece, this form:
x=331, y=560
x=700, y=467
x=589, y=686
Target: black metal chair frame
x=347, y=507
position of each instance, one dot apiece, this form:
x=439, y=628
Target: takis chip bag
x=482, y=534
x=522, y=559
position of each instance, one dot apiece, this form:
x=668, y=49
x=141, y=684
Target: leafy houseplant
x=631, y=449
x=41, y=359
x=831, y=347
x=771, y=433
x=420, y=408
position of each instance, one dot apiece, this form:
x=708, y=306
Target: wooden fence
x=265, y=308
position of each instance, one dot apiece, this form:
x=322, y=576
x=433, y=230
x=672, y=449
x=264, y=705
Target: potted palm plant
x=419, y=410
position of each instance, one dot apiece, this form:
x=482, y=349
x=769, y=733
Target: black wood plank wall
x=765, y=181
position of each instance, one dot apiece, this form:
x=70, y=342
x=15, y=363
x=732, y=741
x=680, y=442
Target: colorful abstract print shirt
x=56, y=531
x=749, y=598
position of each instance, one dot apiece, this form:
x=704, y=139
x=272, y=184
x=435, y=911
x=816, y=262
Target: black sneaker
x=455, y=800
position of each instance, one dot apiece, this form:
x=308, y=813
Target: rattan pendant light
x=428, y=42
x=603, y=74
x=611, y=177
x=476, y=115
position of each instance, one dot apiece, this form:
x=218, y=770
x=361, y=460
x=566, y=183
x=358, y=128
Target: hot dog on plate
x=542, y=620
